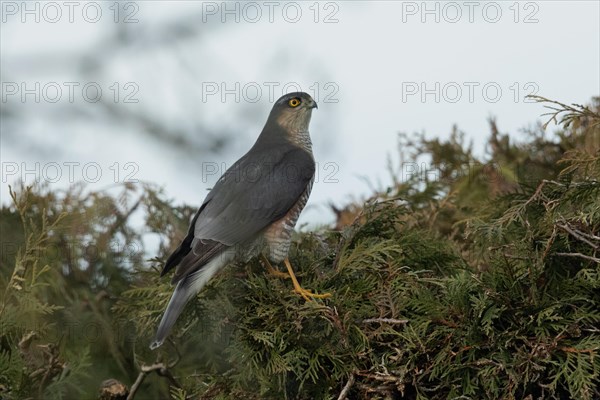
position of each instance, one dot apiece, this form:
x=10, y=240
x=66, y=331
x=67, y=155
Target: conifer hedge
x=477, y=278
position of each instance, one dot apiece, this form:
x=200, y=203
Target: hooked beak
x=314, y=105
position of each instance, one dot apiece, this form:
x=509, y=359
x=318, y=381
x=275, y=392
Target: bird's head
x=292, y=111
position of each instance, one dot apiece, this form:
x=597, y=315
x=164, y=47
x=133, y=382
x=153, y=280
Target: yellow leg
x=271, y=270
x=306, y=294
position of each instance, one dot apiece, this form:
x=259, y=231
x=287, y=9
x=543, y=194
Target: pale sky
x=375, y=68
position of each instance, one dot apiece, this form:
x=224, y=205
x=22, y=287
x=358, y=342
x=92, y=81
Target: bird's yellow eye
x=295, y=102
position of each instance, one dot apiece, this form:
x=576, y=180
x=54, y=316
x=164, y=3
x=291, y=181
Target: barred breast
x=278, y=236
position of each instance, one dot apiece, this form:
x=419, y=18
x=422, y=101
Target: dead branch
x=578, y=235
x=594, y=259
x=347, y=387
x=386, y=321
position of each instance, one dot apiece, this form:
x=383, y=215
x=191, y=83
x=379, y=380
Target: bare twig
x=589, y=235
x=578, y=235
x=379, y=377
x=538, y=190
x=594, y=259
x=161, y=369
x=591, y=352
x=136, y=385
x=386, y=321
x=549, y=244
x=347, y=387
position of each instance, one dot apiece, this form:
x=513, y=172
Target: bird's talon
x=272, y=271
x=279, y=274
x=309, y=295
x=306, y=294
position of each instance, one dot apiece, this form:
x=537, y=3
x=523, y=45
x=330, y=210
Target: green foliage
x=65, y=260
x=475, y=278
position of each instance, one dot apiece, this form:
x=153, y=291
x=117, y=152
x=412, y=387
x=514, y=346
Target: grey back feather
x=255, y=192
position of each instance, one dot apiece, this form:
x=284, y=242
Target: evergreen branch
x=569, y=113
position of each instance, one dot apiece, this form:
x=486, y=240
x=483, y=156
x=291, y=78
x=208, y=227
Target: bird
x=251, y=210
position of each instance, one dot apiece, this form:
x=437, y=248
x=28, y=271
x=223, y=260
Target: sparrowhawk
x=251, y=210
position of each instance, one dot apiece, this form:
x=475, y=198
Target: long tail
x=187, y=288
